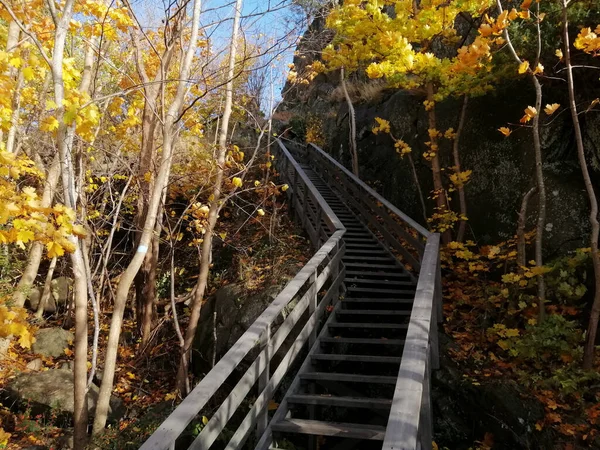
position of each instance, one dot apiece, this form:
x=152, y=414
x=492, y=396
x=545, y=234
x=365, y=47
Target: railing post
x=426, y=422
x=263, y=380
x=312, y=306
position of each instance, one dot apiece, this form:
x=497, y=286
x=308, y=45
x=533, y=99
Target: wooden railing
x=272, y=343
x=410, y=423
x=402, y=234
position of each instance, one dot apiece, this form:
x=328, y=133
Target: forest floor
x=492, y=315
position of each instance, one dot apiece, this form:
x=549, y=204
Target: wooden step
x=371, y=312
x=397, y=301
x=391, y=292
x=367, y=258
x=317, y=428
x=356, y=358
x=344, y=402
x=361, y=341
x=392, y=326
x=379, y=274
x=391, y=266
x=378, y=282
x=347, y=378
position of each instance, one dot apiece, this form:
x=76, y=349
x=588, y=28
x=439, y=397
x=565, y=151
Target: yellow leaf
x=237, y=182
x=285, y=187
x=28, y=73
x=204, y=420
x=530, y=113
x=170, y=396
x=505, y=131
x=68, y=352
x=15, y=62
x=79, y=231
x=559, y=53
x=223, y=235
x=54, y=249
x=523, y=67
x=4, y=437
x=260, y=212
x=49, y=123
x=539, y=69
x=550, y=109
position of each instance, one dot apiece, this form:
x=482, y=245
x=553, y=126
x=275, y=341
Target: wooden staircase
x=355, y=331
x=343, y=395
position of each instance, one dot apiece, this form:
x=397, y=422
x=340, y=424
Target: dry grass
x=360, y=91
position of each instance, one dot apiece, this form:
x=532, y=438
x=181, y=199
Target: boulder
x=52, y=341
x=53, y=390
x=34, y=300
x=35, y=364
x=62, y=290
x=236, y=311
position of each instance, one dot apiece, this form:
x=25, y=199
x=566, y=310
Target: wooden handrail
x=409, y=425
x=409, y=221
x=330, y=216
x=323, y=269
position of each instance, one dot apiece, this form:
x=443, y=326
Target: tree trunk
x=190, y=333
x=521, y=224
x=47, y=290
x=436, y=168
x=352, y=124
x=541, y=220
x=147, y=233
x=588, y=355
x=462, y=226
x=37, y=248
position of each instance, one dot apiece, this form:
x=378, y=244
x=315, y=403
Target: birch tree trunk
x=588, y=355
x=146, y=237
x=182, y=373
x=352, y=124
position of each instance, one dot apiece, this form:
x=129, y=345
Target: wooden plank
x=345, y=402
x=356, y=358
x=372, y=312
x=345, y=430
x=362, y=341
x=391, y=326
x=383, y=274
x=379, y=282
x=347, y=377
x=406, y=301
x=393, y=292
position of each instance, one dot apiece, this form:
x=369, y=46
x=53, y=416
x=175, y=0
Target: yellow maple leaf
x=523, y=67
x=260, y=212
x=551, y=109
x=505, y=131
x=237, y=182
x=538, y=69
x=49, y=123
x=559, y=53
x=530, y=113
x=54, y=249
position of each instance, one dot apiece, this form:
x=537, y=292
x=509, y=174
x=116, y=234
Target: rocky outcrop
x=52, y=341
x=503, y=168
x=53, y=390
x=235, y=312
x=61, y=290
